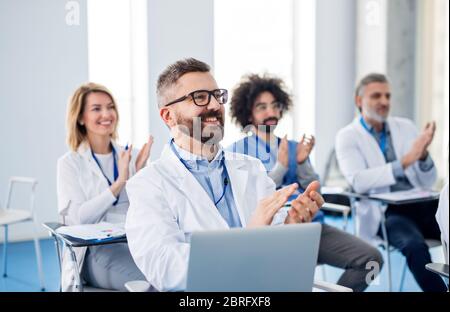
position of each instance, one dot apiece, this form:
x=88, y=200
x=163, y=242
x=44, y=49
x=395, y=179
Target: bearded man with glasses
x=196, y=185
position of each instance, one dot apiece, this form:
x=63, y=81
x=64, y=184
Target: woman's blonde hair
x=76, y=133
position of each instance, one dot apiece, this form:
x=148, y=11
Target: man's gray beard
x=373, y=115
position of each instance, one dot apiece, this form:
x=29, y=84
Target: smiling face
x=202, y=123
x=99, y=114
x=266, y=112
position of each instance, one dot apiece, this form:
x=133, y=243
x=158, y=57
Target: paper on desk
x=406, y=195
x=102, y=230
x=332, y=189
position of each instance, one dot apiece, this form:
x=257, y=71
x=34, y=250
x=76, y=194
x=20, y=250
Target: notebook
x=88, y=232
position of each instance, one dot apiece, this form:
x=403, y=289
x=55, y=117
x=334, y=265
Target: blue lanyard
x=266, y=146
x=383, y=137
x=225, y=180
x=116, y=170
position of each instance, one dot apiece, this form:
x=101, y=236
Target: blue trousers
x=407, y=228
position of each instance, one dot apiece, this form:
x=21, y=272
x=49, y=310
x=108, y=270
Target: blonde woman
x=91, y=181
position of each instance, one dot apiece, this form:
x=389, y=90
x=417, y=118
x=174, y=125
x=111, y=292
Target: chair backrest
x=22, y=180
x=332, y=175
x=445, y=248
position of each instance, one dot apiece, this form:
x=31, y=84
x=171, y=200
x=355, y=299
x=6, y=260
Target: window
x=433, y=78
x=118, y=59
x=253, y=36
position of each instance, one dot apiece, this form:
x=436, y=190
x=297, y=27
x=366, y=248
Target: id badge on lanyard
x=116, y=170
x=383, y=137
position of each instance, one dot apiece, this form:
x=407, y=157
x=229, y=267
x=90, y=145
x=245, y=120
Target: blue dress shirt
x=212, y=176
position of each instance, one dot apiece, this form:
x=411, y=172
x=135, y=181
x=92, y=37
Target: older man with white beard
x=377, y=154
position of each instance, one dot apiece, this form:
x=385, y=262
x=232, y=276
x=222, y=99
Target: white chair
x=445, y=249
x=62, y=242
x=10, y=216
x=384, y=243
x=441, y=268
x=340, y=209
x=331, y=194
x=333, y=184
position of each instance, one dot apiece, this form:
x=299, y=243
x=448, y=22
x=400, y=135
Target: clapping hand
x=306, y=205
x=144, y=154
x=304, y=148
x=269, y=206
x=419, y=149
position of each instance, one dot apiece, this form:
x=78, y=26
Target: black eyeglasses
x=203, y=97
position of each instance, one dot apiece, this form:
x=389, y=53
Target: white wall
x=401, y=56
x=371, y=34
x=42, y=60
x=304, y=67
x=176, y=30
x=335, y=73
x=386, y=43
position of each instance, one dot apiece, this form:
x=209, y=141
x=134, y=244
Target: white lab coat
x=442, y=218
x=167, y=204
x=365, y=169
x=80, y=183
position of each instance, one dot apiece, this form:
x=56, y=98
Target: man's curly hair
x=246, y=92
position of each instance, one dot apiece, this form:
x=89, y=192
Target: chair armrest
x=52, y=226
x=23, y=180
x=355, y=196
x=330, y=287
x=438, y=268
x=336, y=208
x=137, y=286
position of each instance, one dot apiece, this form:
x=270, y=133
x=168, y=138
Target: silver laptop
x=274, y=258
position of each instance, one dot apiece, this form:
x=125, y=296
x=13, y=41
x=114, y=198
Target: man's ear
x=167, y=116
x=358, y=102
